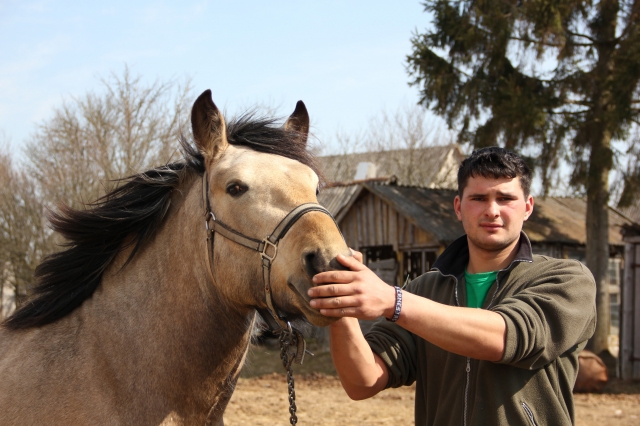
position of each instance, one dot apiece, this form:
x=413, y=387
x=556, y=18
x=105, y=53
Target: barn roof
x=562, y=220
x=434, y=166
x=554, y=219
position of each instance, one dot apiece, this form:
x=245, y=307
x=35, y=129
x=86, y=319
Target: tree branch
x=568, y=112
x=591, y=39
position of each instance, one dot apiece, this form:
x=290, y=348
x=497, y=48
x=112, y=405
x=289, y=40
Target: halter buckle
x=265, y=247
x=209, y=215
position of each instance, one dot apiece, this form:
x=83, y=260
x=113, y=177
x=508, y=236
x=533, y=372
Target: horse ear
x=299, y=122
x=209, y=128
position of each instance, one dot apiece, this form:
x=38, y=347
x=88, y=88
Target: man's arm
x=363, y=373
x=359, y=293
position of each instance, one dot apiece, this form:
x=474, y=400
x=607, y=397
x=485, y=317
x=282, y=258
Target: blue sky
x=344, y=59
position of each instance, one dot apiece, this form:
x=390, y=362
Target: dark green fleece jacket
x=549, y=309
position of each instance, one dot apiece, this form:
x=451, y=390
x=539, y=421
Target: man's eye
x=236, y=189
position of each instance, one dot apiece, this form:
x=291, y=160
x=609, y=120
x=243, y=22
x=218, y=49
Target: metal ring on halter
x=206, y=221
x=264, y=254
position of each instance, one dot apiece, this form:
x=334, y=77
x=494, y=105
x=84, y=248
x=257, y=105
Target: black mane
x=129, y=216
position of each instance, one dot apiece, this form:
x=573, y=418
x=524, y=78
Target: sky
x=344, y=59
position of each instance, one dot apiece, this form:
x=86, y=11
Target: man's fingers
x=341, y=312
x=356, y=255
x=342, y=302
x=331, y=290
x=351, y=262
x=339, y=277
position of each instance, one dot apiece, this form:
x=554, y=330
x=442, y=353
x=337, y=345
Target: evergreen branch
x=548, y=44
x=568, y=112
x=591, y=39
x=632, y=22
x=581, y=103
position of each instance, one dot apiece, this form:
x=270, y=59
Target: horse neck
x=178, y=329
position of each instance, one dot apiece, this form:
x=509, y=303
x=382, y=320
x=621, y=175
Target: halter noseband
x=267, y=247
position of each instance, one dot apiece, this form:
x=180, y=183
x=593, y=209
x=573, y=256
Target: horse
x=145, y=318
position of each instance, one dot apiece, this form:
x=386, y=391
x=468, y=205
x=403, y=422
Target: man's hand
x=357, y=293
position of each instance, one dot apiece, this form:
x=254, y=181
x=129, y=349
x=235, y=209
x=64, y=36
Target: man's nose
x=493, y=209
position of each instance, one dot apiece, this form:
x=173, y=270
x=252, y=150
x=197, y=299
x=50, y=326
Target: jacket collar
x=455, y=257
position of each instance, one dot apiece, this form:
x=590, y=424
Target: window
x=614, y=295
x=417, y=262
x=382, y=260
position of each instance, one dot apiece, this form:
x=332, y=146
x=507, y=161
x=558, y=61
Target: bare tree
x=403, y=144
x=77, y=156
x=93, y=140
x=24, y=237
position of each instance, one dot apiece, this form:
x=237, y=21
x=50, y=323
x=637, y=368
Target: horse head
x=250, y=187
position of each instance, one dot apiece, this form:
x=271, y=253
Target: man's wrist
x=397, y=305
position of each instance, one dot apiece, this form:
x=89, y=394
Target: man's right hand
x=357, y=293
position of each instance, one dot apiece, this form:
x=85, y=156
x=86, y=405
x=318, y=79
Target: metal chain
x=288, y=338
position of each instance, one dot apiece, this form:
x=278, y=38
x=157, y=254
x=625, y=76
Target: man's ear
x=456, y=207
x=528, y=208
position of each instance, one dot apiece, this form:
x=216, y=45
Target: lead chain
x=287, y=339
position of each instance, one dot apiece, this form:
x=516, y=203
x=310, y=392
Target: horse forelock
x=128, y=217
x=266, y=135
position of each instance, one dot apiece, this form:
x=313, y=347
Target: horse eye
x=236, y=189
x=317, y=191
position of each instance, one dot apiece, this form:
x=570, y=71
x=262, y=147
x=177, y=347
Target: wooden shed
x=630, y=316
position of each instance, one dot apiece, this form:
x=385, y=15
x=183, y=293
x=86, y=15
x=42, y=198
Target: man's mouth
x=491, y=226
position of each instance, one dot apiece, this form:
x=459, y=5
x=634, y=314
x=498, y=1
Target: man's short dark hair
x=494, y=163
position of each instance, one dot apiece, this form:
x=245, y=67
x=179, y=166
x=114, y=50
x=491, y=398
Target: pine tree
x=556, y=77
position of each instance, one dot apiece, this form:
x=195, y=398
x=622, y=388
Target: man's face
x=492, y=212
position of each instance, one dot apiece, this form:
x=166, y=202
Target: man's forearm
x=362, y=373
x=476, y=333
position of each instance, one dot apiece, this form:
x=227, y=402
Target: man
x=512, y=362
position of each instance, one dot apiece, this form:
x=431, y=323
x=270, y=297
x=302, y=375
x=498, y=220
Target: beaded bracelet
x=396, y=313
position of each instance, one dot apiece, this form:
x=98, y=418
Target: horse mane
x=127, y=217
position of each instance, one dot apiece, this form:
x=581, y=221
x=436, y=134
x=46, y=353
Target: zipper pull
x=468, y=365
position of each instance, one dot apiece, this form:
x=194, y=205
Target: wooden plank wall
x=630, y=326
x=373, y=222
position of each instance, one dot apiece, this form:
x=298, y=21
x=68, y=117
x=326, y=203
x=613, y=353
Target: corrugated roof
x=632, y=212
x=429, y=209
x=562, y=220
x=554, y=219
x=435, y=166
x=336, y=198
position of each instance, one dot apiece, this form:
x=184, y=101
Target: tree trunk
x=600, y=164
x=598, y=258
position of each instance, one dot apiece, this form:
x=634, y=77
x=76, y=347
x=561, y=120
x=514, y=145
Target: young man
x=491, y=334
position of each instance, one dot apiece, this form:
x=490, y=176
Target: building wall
x=372, y=222
x=375, y=228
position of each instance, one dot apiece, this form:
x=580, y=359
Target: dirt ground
x=321, y=401
x=262, y=401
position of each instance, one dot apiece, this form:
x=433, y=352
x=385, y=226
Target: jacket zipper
x=529, y=413
x=466, y=390
x=468, y=368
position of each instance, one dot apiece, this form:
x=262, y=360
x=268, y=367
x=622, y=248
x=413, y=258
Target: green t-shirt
x=477, y=287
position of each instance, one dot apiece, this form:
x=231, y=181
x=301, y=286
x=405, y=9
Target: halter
x=267, y=247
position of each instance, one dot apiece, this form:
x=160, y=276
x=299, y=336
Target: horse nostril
x=312, y=262
x=315, y=262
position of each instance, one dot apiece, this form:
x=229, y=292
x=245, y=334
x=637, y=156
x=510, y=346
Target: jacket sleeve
x=396, y=346
x=552, y=312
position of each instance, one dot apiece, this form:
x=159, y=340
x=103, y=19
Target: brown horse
x=146, y=317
